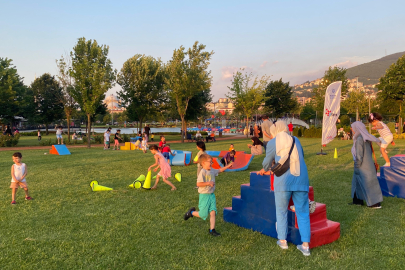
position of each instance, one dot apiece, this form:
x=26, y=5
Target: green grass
x=70, y=227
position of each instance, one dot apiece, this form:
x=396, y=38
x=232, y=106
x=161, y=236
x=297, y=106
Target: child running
x=18, y=173
x=229, y=157
x=206, y=187
x=201, y=147
x=116, y=139
x=165, y=170
x=386, y=136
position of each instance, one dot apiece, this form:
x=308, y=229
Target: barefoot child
x=206, y=187
x=386, y=136
x=18, y=173
x=201, y=147
x=161, y=162
x=116, y=139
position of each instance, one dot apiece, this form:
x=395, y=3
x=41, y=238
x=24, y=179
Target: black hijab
x=256, y=141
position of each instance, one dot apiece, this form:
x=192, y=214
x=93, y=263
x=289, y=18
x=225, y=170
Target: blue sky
x=293, y=40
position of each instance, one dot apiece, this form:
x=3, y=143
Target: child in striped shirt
x=386, y=136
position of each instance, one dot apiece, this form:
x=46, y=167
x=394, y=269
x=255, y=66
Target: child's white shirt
x=19, y=171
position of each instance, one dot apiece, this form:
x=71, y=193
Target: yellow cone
x=132, y=185
x=178, y=176
x=148, y=180
x=96, y=187
x=140, y=178
x=335, y=156
x=196, y=159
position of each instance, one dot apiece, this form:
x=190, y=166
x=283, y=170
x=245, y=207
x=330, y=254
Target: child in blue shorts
x=206, y=187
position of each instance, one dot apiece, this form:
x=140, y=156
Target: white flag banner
x=331, y=111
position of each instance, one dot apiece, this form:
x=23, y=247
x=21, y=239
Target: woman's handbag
x=279, y=169
x=375, y=159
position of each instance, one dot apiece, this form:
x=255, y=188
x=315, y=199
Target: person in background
x=74, y=136
x=231, y=147
x=256, y=147
x=266, y=133
x=59, y=131
x=116, y=139
x=18, y=173
x=228, y=158
x=166, y=151
x=365, y=185
x=251, y=131
x=290, y=128
x=146, y=130
x=396, y=127
x=386, y=136
x=39, y=135
x=403, y=128
x=152, y=137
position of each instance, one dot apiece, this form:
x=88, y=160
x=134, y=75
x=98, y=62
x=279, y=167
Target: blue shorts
x=166, y=155
x=206, y=205
x=59, y=136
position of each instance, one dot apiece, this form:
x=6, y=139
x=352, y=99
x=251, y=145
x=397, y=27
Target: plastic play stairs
x=255, y=209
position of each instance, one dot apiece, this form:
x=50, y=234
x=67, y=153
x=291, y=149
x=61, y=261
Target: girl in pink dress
x=165, y=170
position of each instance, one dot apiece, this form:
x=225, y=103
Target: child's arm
x=378, y=126
x=12, y=174
x=204, y=184
x=25, y=173
x=172, y=153
x=226, y=167
x=156, y=163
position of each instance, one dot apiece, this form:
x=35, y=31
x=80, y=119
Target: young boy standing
x=206, y=187
x=18, y=173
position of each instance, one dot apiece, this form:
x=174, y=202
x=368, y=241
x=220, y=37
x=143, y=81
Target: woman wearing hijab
x=365, y=184
x=293, y=183
x=256, y=147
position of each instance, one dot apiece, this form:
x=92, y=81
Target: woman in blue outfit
x=293, y=183
x=365, y=184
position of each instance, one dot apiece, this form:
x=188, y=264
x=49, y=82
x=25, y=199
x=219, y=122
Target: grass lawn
x=69, y=226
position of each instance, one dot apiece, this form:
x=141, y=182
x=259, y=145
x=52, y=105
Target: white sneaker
x=304, y=250
x=282, y=245
x=312, y=207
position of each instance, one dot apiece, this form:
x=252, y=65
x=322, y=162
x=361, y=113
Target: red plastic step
x=324, y=232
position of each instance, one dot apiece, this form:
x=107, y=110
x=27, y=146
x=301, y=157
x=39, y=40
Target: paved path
x=20, y=148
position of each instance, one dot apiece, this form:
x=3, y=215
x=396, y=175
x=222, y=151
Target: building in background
x=113, y=104
x=223, y=104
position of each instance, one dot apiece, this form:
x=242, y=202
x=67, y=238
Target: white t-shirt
x=107, y=136
x=59, y=131
x=206, y=176
x=18, y=172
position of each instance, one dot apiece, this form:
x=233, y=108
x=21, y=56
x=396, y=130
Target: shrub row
x=9, y=141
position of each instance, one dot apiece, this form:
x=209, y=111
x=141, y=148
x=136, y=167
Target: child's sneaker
x=188, y=214
x=213, y=232
x=28, y=198
x=13, y=202
x=304, y=250
x=388, y=164
x=312, y=207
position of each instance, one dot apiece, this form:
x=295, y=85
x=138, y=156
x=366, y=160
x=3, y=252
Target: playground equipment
x=178, y=176
x=129, y=146
x=392, y=178
x=148, y=181
x=255, y=209
x=59, y=149
x=96, y=187
x=181, y=158
x=242, y=160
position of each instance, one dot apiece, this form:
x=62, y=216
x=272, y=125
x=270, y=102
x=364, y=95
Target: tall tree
x=357, y=101
x=331, y=75
x=247, y=93
x=196, y=106
x=48, y=106
x=392, y=85
x=64, y=65
x=188, y=75
x=93, y=74
x=12, y=90
x=142, y=81
x=278, y=98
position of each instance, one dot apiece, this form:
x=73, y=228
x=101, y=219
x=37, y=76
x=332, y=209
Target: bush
x=345, y=120
x=47, y=142
x=313, y=132
x=9, y=141
x=32, y=133
x=125, y=137
x=99, y=139
x=299, y=133
x=295, y=132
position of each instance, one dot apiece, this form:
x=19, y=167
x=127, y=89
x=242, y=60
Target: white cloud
x=263, y=64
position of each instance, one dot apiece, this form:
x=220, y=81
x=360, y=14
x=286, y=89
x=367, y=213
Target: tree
x=356, y=100
x=331, y=75
x=278, y=98
x=392, y=85
x=142, y=81
x=308, y=112
x=93, y=75
x=47, y=104
x=64, y=75
x=247, y=97
x=187, y=75
x=12, y=90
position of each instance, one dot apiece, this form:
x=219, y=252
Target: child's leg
x=61, y=140
x=156, y=182
x=196, y=214
x=384, y=154
x=169, y=183
x=26, y=192
x=13, y=191
x=212, y=219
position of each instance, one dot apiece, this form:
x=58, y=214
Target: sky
x=293, y=40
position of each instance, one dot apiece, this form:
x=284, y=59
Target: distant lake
x=123, y=130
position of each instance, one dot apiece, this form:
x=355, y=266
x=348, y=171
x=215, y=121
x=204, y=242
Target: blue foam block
x=62, y=149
